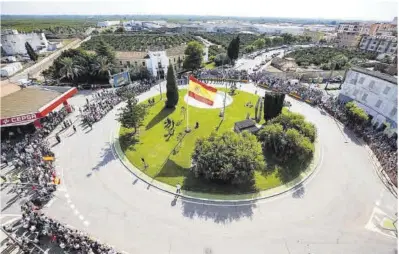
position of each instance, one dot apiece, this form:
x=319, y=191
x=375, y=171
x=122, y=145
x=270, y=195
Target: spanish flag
x=201, y=91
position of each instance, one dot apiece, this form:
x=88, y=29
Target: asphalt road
x=336, y=211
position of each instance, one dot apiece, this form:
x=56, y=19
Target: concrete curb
x=216, y=197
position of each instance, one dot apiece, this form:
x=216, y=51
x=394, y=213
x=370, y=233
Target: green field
x=169, y=158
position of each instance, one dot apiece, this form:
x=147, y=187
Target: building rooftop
x=376, y=74
x=28, y=100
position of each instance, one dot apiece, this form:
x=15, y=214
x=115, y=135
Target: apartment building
x=379, y=44
x=383, y=29
x=375, y=92
x=354, y=27
x=349, y=40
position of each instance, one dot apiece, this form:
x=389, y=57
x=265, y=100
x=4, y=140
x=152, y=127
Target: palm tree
x=101, y=66
x=69, y=69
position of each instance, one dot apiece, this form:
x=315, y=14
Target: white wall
x=155, y=58
x=15, y=43
x=376, y=96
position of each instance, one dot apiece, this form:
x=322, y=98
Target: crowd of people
x=26, y=152
x=102, y=102
x=38, y=228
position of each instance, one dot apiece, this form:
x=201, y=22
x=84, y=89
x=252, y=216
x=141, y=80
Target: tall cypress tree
x=273, y=105
x=233, y=49
x=32, y=54
x=172, y=92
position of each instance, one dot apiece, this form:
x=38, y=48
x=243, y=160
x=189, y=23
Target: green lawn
x=169, y=158
x=210, y=66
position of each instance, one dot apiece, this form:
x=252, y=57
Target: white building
x=356, y=27
x=157, y=63
x=375, y=92
x=379, y=44
x=14, y=44
x=10, y=69
x=108, y=23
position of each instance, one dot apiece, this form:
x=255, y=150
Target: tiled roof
x=179, y=50
x=130, y=55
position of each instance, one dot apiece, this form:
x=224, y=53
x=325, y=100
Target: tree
x=285, y=144
x=233, y=49
x=291, y=120
x=69, y=69
x=133, y=114
x=356, y=115
x=172, y=92
x=32, y=54
x=221, y=59
x=227, y=157
x=259, y=43
x=193, y=52
x=273, y=105
x=268, y=42
x=104, y=49
x=119, y=30
x=101, y=66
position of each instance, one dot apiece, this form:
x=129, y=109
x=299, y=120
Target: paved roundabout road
x=337, y=210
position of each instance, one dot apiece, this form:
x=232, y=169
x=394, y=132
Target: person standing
x=57, y=137
x=178, y=188
x=144, y=163
x=74, y=128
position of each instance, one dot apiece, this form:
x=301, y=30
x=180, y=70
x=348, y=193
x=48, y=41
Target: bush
x=356, y=114
x=228, y=157
x=296, y=121
x=286, y=144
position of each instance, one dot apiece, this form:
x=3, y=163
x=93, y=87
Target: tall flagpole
x=188, y=97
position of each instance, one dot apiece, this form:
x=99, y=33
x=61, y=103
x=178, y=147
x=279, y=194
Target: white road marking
x=72, y=206
x=86, y=223
x=81, y=217
x=67, y=195
x=76, y=212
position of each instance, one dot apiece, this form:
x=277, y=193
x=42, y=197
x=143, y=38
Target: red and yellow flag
x=201, y=91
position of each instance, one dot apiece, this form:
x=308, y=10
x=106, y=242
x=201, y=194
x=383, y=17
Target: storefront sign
x=18, y=119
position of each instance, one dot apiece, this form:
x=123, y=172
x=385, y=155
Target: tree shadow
x=172, y=169
x=159, y=117
x=198, y=184
x=299, y=191
x=128, y=141
x=355, y=138
x=217, y=212
x=106, y=157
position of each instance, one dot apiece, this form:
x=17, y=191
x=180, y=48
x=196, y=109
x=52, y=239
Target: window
x=135, y=62
x=364, y=97
x=386, y=90
x=393, y=112
x=374, y=42
x=143, y=63
x=378, y=104
x=120, y=62
x=355, y=92
x=128, y=63
x=174, y=60
x=372, y=47
x=371, y=85
x=361, y=80
x=121, y=70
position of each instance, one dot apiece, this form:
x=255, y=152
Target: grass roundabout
x=168, y=155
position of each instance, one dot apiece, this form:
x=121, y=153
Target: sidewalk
x=216, y=197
